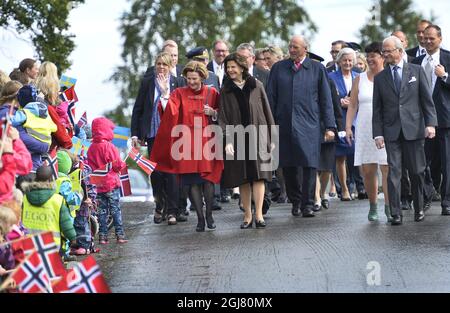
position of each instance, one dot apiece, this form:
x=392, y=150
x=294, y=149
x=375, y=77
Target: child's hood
x=37, y=108
x=39, y=192
x=102, y=129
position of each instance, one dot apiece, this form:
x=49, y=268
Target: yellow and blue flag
x=121, y=136
x=66, y=81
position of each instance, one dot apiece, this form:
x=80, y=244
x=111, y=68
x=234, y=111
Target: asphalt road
x=336, y=251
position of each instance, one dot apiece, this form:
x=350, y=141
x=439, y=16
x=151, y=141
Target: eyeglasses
x=388, y=51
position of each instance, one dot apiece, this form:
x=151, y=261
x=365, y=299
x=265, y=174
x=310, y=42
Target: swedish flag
x=121, y=135
x=66, y=81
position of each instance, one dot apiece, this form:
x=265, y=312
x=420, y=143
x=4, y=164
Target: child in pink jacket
x=100, y=153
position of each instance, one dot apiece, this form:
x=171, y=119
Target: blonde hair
x=165, y=57
x=362, y=57
x=9, y=91
x=275, y=51
x=198, y=67
x=3, y=79
x=7, y=219
x=47, y=82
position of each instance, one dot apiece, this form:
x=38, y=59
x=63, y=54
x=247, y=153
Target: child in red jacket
x=101, y=153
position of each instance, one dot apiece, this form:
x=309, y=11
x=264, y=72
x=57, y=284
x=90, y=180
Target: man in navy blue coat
x=300, y=98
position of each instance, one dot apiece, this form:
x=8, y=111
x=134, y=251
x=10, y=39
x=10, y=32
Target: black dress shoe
x=210, y=222
x=397, y=220
x=200, y=228
x=260, y=224
x=157, y=218
x=325, y=204
x=246, y=225
x=308, y=212
x=362, y=195
x=235, y=196
x=216, y=207
x=181, y=218
x=225, y=198
x=426, y=205
x=406, y=205
x=436, y=197
x=295, y=210
x=445, y=210
x=316, y=208
x=346, y=199
x=419, y=216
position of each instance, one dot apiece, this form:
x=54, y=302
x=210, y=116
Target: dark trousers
x=433, y=170
x=412, y=154
x=300, y=185
x=165, y=189
x=444, y=142
x=406, y=185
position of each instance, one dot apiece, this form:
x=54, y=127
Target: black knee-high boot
x=208, y=193
x=197, y=199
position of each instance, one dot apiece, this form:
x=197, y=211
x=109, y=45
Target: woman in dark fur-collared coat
x=243, y=102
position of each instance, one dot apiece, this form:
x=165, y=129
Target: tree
x=388, y=16
x=197, y=23
x=46, y=23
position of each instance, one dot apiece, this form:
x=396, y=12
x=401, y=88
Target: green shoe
x=387, y=211
x=373, y=215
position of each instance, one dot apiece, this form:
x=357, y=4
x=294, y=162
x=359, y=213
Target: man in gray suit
x=403, y=116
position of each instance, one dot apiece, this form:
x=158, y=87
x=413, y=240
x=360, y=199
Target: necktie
x=297, y=65
x=422, y=51
x=397, y=79
x=429, y=70
x=220, y=74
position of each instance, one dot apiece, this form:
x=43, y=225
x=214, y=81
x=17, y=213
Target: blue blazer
x=338, y=79
x=143, y=107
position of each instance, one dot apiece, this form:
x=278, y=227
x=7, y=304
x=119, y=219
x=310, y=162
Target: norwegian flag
x=69, y=95
x=71, y=112
x=147, y=165
x=31, y=276
x=97, y=176
x=46, y=249
x=84, y=277
x=125, y=187
x=83, y=120
x=52, y=160
x=84, y=163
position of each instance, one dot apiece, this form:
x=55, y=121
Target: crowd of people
x=382, y=111
x=44, y=185
x=338, y=127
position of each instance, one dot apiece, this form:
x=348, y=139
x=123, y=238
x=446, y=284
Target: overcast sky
x=98, y=44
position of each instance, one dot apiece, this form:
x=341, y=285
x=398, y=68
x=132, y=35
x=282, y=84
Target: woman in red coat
x=183, y=147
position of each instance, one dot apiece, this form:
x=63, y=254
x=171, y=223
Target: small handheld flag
x=147, y=165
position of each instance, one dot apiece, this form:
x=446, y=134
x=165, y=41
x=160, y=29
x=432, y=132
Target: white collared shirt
x=420, y=50
x=436, y=57
x=250, y=70
x=400, y=70
x=405, y=57
x=219, y=71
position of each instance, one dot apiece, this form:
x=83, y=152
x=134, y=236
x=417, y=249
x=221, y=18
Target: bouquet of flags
x=42, y=271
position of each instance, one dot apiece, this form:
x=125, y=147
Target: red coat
x=61, y=138
x=7, y=177
x=184, y=104
x=22, y=158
